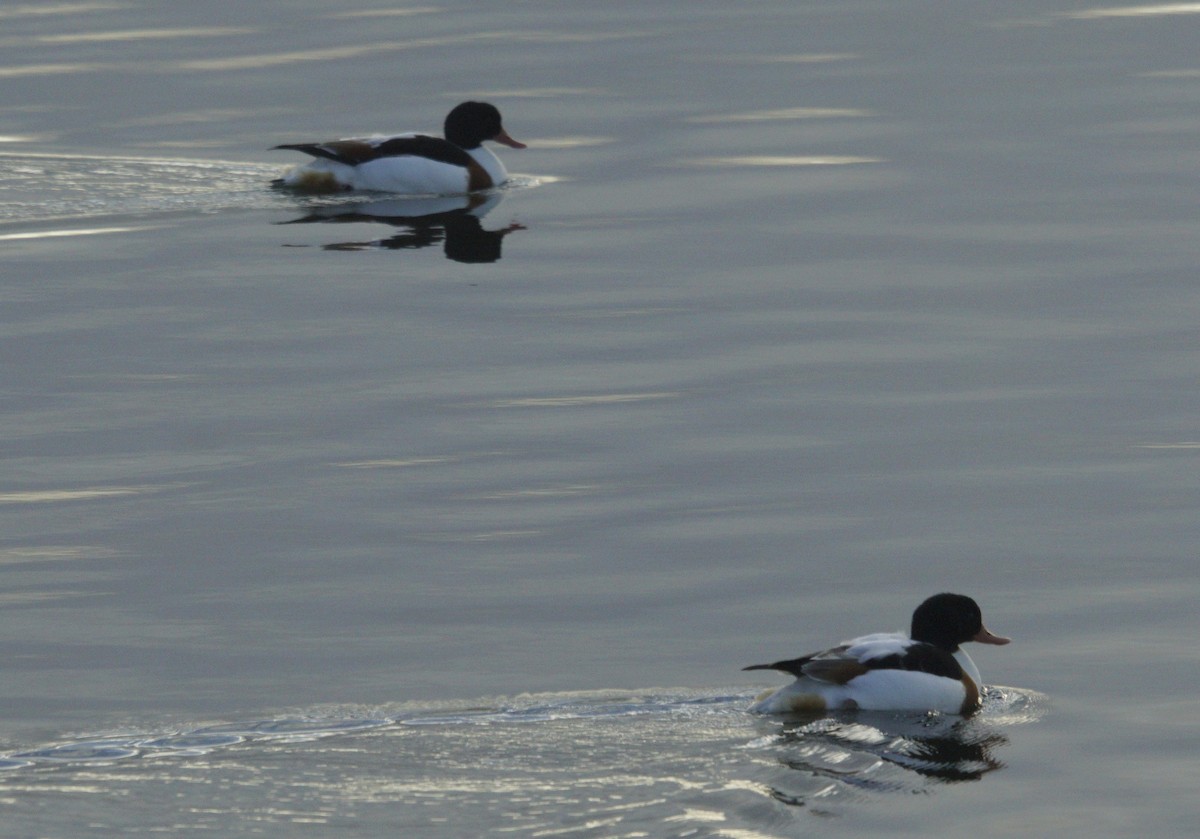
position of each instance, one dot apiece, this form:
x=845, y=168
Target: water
x=604, y=763
x=398, y=516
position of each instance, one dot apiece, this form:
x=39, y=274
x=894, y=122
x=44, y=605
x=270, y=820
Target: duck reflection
x=455, y=221
x=879, y=752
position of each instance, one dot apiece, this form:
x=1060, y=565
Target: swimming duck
x=410, y=163
x=922, y=671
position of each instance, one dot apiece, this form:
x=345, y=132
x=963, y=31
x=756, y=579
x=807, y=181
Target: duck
x=925, y=670
x=414, y=164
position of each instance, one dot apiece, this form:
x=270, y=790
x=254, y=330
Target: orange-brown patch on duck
x=352, y=152
x=834, y=671
x=317, y=183
x=807, y=703
x=477, y=177
x=971, y=701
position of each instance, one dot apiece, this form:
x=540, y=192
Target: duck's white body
x=885, y=689
x=405, y=174
x=924, y=671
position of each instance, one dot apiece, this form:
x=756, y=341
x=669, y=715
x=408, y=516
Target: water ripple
x=41, y=187
x=830, y=758
x=660, y=762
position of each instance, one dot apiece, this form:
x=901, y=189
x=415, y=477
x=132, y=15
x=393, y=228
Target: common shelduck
x=923, y=671
x=414, y=164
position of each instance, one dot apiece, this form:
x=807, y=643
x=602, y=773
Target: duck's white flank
x=408, y=174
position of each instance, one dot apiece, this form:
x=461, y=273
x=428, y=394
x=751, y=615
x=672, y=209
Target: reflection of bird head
x=467, y=241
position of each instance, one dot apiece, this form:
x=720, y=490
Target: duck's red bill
x=503, y=137
x=985, y=637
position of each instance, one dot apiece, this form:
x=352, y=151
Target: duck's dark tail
x=314, y=149
x=794, y=666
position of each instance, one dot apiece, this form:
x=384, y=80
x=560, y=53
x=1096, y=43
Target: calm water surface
x=412, y=517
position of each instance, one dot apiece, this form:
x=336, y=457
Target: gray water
x=319, y=515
